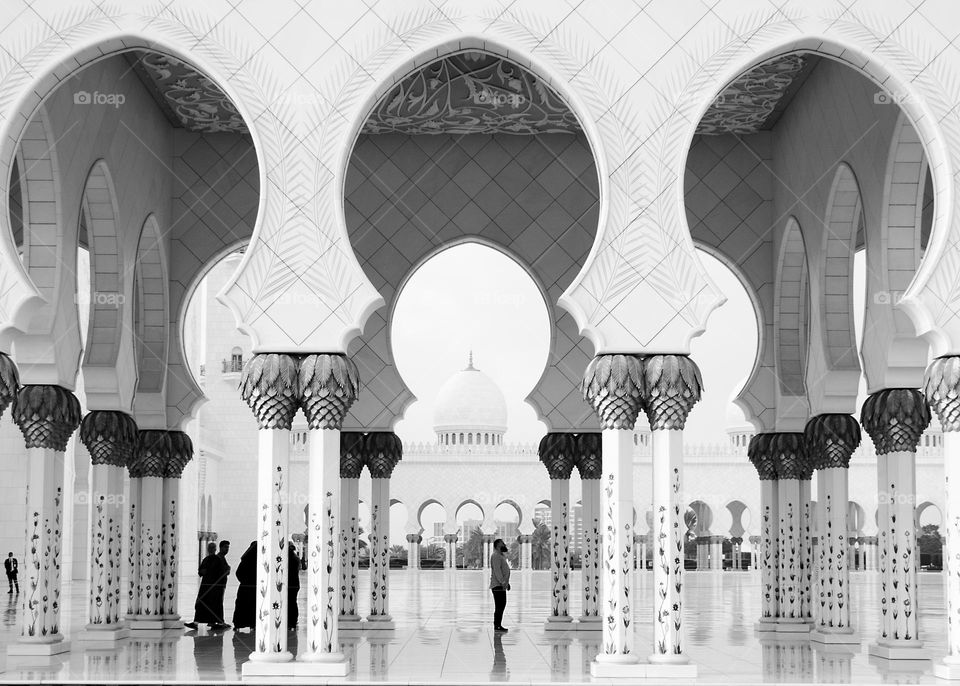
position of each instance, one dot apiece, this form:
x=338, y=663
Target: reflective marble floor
x=444, y=635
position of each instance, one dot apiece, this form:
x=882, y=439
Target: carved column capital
x=351, y=454
x=589, y=455
x=831, y=439
x=270, y=388
x=382, y=451
x=760, y=454
x=613, y=385
x=181, y=452
x=9, y=381
x=941, y=386
x=895, y=418
x=110, y=436
x=153, y=450
x=414, y=538
x=450, y=538
x=789, y=455
x=47, y=415
x=558, y=453
x=329, y=385
x=672, y=386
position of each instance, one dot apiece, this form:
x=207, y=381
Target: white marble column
x=271, y=388
x=766, y=555
x=831, y=440
x=589, y=462
x=413, y=551
x=153, y=450
x=807, y=565
x=790, y=459
x=383, y=450
x=181, y=452
x=451, y=542
x=351, y=466
x=47, y=415
x=558, y=453
x=613, y=384
x=895, y=420
x=111, y=439
x=132, y=537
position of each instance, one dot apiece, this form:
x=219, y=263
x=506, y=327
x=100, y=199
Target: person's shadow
x=499, y=670
x=208, y=655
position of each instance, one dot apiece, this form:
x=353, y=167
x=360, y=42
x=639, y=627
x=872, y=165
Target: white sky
x=474, y=297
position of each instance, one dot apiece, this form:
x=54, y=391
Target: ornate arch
x=791, y=308
x=424, y=505
x=469, y=501
x=893, y=356
x=151, y=325
x=512, y=503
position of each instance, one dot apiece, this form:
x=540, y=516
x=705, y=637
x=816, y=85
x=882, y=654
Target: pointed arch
x=791, y=311
x=151, y=312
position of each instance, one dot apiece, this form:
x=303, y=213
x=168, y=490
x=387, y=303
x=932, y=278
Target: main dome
x=470, y=401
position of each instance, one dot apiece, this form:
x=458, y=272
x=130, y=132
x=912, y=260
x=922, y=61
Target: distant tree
x=930, y=545
x=398, y=552
x=540, y=545
x=473, y=549
x=513, y=553
x=433, y=552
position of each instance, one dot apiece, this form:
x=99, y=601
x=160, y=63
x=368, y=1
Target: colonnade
x=140, y=531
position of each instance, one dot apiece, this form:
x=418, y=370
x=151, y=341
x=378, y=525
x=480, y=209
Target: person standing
x=214, y=572
x=293, y=588
x=245, y=610
x=11, y=566
x=499, y=582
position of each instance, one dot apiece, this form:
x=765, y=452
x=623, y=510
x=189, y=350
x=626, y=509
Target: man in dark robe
x=293, y=588
x=214, y=572
x=245, y=611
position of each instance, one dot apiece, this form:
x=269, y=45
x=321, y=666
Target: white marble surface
x=444, y=635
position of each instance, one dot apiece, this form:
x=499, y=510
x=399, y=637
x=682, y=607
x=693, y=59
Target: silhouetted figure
x=12, y=567
x=293, y=588
x=214, y=572
x=245, y=611
x=499, y=582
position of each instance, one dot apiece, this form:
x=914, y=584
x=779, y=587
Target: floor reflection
x=443, y=635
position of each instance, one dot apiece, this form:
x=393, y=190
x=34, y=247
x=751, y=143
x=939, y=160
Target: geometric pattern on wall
x=534, y=196
x=471, y=92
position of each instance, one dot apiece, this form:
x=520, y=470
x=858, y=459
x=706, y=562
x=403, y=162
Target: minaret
x=470, y=360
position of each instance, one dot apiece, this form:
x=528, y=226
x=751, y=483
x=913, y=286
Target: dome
x=470, y=400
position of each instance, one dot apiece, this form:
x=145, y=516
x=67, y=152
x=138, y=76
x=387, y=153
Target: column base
x=835, y=638
x=616, y=669
x=349, y=623
x=561, y=623
x=145, y=623
x=322, y=665
x=379, y=623
x=792, y=626
x=898, y=650
x=947, y=670
x=173, y=621
x=765, y=625
x=589, y=623
x=37, y=648
x=97, y=635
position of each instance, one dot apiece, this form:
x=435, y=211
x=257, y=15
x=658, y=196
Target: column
x=181, y=452
x=351, y=466
x=526, y=553
x=451, y=558
x=672, y=387
x=486, y=550
x=716, y=553
x=153, y=450
x=589, y=463
x=941, y=387
x=896, y=418
x=613, y=385
x=132, y=534
x=557, y=452
x=270, y=386
x=806, y=525
x=111, y=438
x=790, y=460
x=47, y=415
x=413, y=550
x=831, y=440
x=766, y=551
x=329, y=385
x=383, y=451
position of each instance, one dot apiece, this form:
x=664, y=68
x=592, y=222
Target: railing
x=232, y=366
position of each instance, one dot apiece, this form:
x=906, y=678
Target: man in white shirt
x=499, y=582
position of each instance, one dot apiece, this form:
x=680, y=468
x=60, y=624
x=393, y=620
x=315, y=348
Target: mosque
x=208, y=212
